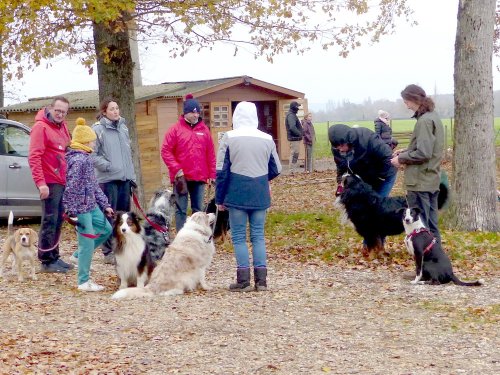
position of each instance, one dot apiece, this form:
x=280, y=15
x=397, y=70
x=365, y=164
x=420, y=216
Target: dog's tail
x=457, y=281
x=132, y=293
x=10, y=223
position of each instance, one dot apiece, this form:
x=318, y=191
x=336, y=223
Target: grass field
x=322, y=148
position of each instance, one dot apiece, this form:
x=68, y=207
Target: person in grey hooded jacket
x=112, y=159
x=246, y=161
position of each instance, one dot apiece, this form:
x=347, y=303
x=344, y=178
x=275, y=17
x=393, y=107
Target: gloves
x=340, y=190
x=181, y=185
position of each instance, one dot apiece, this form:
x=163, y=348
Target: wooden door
x=283, y=108
x=221, y=120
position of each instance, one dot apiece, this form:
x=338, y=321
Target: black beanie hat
x=191, y=105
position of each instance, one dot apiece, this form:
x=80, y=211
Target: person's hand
x=221, y=207
x=44, y=191
x=109, y=212
x=211, y=181
x=395, y=161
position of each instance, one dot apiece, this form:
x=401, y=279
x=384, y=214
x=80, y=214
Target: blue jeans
x=196, y=191
x=93, y=222
x=384, y=189
x=118, y=194
x=238, y=221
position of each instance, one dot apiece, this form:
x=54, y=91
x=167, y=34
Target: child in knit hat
x=84, y=199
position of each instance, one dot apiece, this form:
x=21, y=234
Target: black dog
x=222, y=222
x=374, y=217
x=432, y=264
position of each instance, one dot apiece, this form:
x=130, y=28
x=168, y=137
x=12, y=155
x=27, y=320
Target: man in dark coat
x=294, y=134
x=362, y=152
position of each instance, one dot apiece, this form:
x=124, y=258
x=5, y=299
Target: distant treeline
x=346, y=111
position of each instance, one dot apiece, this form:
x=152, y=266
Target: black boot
x=260, y=274
x=242, y=281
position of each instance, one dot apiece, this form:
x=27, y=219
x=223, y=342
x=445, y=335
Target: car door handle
x=14, y=166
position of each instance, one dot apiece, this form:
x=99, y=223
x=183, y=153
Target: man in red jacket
x=188, y=152
x=48, y=141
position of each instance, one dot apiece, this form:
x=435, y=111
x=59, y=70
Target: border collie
x=432, y=264
x=160, y=213
x=134, y=263
x=222, y=223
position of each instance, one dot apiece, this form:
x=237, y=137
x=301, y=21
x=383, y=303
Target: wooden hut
x=159, y=106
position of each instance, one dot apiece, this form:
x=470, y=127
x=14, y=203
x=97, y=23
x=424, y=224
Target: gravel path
x=314, y=319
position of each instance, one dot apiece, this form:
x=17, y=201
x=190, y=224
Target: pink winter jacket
x=190, y=149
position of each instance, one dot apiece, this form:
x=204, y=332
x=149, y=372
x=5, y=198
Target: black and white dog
x=222, y=223
x=374, y=217
x=134, y=263
x=433, y=266
x=158, y=223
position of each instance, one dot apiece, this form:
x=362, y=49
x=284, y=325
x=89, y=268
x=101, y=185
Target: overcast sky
x=421, y=54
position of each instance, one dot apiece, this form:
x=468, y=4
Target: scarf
x=78, y=146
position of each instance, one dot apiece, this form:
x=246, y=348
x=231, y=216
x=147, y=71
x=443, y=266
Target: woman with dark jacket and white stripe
x=246, y=161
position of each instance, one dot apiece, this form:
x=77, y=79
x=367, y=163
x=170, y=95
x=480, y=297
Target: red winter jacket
x=190, y=149
x=48, y=142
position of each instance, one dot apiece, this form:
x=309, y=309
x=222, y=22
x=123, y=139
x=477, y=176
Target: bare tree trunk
x=474, y=169
x=2, y=94
x=115, y=72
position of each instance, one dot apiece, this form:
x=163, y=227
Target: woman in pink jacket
x=188, y=152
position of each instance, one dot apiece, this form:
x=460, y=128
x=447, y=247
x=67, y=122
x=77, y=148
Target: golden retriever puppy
x=184, y=264
x=22, y=245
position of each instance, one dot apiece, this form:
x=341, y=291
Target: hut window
x=205, y=113
x=220, y=116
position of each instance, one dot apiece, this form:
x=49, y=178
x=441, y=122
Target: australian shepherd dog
x=184, y=265
x=134, y=263
x=433, y=266
x=158, y=223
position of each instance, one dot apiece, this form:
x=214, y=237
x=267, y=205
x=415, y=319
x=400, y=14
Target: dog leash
x=77, y=224
x=158, y=227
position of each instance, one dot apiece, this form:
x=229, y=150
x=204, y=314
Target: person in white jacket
x=246, y=161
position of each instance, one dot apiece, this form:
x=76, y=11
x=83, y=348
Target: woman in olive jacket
x=422, y=159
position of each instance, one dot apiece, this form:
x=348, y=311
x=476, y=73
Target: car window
x=15, y=141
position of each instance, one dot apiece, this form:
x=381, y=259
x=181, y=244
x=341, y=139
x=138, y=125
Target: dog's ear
x=33, y=236
x=17, y=236
x=416, y=210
